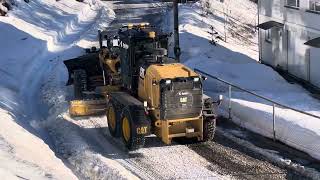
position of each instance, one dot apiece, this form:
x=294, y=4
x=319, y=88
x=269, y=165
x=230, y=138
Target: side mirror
x=204, y=78
x=220, y=99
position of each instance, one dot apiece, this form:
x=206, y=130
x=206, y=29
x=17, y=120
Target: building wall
x=287, y=50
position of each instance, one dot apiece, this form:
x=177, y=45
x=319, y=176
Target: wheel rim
x=112, y=117
x=126, y=129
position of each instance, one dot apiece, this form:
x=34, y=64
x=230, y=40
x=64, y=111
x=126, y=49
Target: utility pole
x=177, y=50
x=260, y=49
x=226, y=19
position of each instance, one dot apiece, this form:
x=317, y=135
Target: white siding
x=287, y=49
x=315, y=66
x=271, y=8
x=298, y=58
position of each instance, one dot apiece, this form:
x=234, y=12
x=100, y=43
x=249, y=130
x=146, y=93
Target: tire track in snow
x=155, y=161
x=103, y=135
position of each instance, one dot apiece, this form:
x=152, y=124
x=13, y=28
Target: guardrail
x=274, y=103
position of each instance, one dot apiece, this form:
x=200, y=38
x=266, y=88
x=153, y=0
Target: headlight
x=196, y=79
x=168, y=81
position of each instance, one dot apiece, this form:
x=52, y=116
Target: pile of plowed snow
x=25, y=156
x=34, y=37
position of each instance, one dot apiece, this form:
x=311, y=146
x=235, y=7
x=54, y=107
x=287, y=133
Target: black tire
x=80, y=83
x=135, y=140
x=113, y=129
x=209, y=129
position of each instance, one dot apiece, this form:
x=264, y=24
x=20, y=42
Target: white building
x=289, y=37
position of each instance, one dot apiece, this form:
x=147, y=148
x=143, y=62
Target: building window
x=314, y=5
x=268, y=35
x=293, y=3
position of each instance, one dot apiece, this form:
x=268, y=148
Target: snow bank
x=34, y=37
x=23, y=155
x=39, y=37
x=237, y=64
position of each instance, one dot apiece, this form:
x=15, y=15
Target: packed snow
x=237, y=63
x=24, y=155
x=35, y=36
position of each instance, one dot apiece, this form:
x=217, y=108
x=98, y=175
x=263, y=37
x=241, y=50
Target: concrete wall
x=287, y=50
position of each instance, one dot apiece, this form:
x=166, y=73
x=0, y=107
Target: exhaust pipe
x=177, y=50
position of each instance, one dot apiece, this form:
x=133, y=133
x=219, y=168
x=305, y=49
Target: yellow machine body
x=148, y=95
x=107, y=60
x=86, y=107
x=149, y=91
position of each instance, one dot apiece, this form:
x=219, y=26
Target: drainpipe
x=259, y=40
x=177, y=50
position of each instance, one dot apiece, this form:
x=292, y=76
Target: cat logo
x=142, y=130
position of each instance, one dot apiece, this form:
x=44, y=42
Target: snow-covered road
x=38, y=138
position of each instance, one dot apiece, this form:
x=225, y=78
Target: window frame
x=312, y=7
x=297, y=4
x=268, y=35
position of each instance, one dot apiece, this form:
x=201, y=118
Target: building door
x=266, y=47
x=298, y=60
x=277, y=49
x=315, y=66
x=290, y=52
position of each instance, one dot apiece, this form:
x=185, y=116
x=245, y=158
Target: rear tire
x=209, y=128
x=130, y=138
x=113, y=120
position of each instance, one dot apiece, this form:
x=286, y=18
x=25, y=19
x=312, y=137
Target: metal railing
x=274, y=103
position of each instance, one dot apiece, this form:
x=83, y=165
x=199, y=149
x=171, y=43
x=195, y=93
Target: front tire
x=130, y=138
x=113, y=120
x=209, y=128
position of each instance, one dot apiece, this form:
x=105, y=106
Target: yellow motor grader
x=142, y=91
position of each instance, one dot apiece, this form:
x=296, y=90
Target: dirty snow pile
x=238, y=64
x=35, y=37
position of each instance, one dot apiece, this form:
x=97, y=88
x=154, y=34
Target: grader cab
x=141, y=90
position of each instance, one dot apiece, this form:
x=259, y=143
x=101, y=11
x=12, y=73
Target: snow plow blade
x=87, y=107
x=88, y=62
